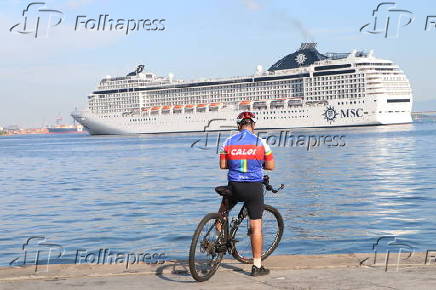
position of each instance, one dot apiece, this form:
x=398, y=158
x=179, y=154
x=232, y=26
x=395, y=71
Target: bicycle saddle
x=224, y=191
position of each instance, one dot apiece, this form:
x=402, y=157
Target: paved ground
x=352, y=271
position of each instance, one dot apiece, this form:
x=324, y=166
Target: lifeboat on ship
x=245, y=105
x=201, y=107
x=189, y=108
x=166, y=109
x=279, y=103
x=215, y=106
x=260, y=105
x=177, y=109
x=295, y=102
x=155, y=110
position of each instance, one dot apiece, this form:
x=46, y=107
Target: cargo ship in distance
x=305, y=89
x=64, y=129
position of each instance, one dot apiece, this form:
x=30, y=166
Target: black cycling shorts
x=251, y=193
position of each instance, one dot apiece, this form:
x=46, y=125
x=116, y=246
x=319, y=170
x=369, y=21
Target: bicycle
x=223, y=237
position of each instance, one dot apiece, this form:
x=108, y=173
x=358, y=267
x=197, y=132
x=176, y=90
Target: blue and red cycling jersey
x=245, y=154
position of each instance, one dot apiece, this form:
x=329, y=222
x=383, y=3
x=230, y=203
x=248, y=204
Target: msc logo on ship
x=330, y=113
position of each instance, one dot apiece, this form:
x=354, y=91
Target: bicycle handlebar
x=269, y=187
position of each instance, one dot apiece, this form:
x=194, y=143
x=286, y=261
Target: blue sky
x=51, y=75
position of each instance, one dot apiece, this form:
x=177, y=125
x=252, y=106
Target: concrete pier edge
x=281, y=262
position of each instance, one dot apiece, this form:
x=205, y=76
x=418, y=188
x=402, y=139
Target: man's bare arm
x=223, y=164
x=269, y=165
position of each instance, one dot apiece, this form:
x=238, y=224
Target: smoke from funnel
x=284, y=21
x=298, y=25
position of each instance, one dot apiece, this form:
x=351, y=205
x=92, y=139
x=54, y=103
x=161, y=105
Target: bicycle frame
x=230, y=228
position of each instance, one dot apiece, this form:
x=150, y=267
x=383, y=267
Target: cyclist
x=245, y=156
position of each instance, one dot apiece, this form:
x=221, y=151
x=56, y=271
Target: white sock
x=257, y=262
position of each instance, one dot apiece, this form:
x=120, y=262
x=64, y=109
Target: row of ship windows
x=336, y=92
x=283, y=117
x=249, y=88
x=216, y=99
x=296, y=84
x=219, y=92
x=344, y=96
x=276, y=112
x=317, y=81
x=205, y=120
x=207, y=98
x=262, y=117
x=350, y=80
x=326, y=87
x=257, y=112
x=373, y=63
x=281, y=84
x=119, y=108
x=143, y=84
x=337, y=77
x=351, y=102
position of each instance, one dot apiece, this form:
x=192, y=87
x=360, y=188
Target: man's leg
x=256, y=247
x=223, y=207
x=256, y=240
x=221, y=210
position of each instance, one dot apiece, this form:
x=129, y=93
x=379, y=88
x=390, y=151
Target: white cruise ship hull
x=308, y=116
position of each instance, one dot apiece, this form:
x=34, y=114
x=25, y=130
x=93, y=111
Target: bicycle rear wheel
x=208, y=247
x=272, y=232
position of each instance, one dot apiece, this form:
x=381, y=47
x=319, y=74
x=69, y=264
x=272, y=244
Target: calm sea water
x=147, y=193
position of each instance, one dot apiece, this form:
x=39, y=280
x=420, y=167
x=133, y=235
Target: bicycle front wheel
x=272, y=232
x=207, y=247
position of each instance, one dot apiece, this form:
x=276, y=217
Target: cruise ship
x=305, y=89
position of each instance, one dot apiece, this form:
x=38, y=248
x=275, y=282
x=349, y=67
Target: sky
x=49, y=76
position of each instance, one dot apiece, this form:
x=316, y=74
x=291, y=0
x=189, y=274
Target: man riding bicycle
x=245, y=156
